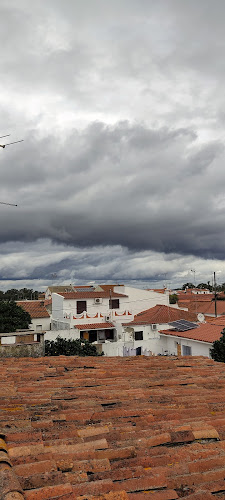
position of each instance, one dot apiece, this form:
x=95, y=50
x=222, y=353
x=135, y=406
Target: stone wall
x=32, y=350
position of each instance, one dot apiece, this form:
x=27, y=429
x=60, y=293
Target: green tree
x=22, y=294
x=75, y=347
x=173, y=298
x=218, y=348
x=12, y=317
x=202, y=286
x=188, y=285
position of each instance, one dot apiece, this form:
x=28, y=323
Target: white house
x=195, y=342
x=98, y=313
x=144, y=328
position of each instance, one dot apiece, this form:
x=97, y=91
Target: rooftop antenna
x=8, y=143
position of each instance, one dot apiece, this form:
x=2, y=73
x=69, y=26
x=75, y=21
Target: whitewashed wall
x=169, y=343
x=140, y=300
x=44, y=323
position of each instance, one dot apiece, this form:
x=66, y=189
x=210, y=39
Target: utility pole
x=214, y=276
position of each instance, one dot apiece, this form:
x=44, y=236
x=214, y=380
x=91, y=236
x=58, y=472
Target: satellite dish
x=201, y=317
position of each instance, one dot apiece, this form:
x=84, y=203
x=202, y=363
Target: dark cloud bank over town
x=119, y=185
x=121, y=174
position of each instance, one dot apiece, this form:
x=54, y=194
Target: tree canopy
x=22, y=294
x=188, y=285
x=71, y=347
x=12, y=317
x=218, y=349
x=173, y=298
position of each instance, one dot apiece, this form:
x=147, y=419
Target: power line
x=11, y=204
x=9, y=143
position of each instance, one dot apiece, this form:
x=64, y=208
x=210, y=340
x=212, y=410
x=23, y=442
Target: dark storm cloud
x=118, y=185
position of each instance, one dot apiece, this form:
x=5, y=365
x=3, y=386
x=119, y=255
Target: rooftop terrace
x=113, y=428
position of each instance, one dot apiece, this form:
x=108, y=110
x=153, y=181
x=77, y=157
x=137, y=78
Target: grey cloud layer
x=121, y=105
x=123, y=184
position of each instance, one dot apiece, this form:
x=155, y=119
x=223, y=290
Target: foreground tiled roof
x=206, y=332
x=95, y=326
x=36, y=308
x=91, y=295
x=113, y=428
x=161, y=314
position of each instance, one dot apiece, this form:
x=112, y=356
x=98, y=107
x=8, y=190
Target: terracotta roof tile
x=207, y=307
x=161, y=314
x=112, y=428
x=94, y=326
x=206, y=332
x=36, y=308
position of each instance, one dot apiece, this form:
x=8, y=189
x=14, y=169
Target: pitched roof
x=191, y=297
x=205, y=333
x=206, y=307
x=35, y=308
x=91, y=295
x=95, y=326
x=112, y=428
x=161, y=314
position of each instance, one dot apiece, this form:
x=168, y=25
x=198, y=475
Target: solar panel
x=182, y=325
x=87, y=289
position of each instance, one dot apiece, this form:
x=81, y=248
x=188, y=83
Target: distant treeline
x=22, y=294
x=202, y=286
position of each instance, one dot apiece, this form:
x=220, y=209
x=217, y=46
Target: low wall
x=34, y=350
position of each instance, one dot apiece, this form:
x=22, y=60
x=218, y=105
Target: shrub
x=77, y=347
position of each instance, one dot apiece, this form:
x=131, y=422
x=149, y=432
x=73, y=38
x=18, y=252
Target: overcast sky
x=121, y=176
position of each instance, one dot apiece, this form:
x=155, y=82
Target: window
x=38, y=328
x=114, y=304
x=138, y=335
x=81, y=306
x=186, y=350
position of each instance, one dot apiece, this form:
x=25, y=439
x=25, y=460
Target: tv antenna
x=8, y=143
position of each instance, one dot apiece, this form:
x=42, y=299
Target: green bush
x=77, y=347
x=218, y=349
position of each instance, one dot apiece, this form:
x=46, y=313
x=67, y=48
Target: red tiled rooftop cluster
x=112, y=428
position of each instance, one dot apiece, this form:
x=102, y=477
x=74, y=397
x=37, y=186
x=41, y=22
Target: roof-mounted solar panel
x=87, y=289
x=182, y=325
